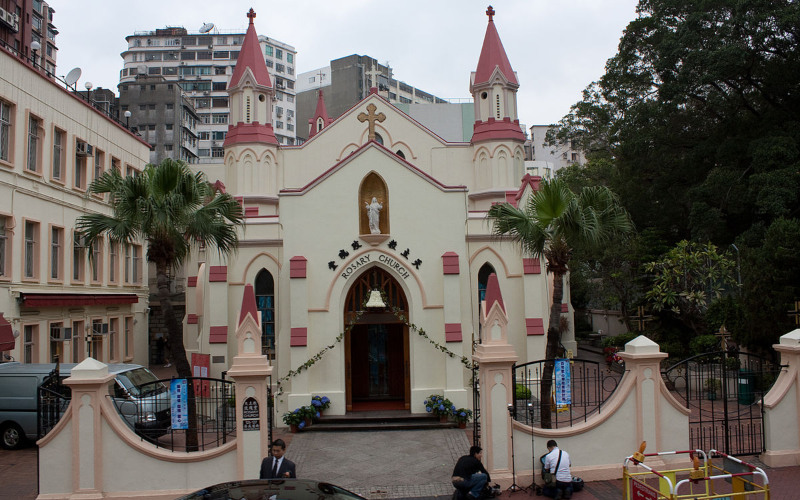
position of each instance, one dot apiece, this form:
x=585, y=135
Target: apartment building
x=163, y=116
x=57, y=303
x=26, y=28
x=201, y=63
x=546, y=159
x=347, y=81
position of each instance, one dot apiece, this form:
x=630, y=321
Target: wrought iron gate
x=724, y=392
x=53, y=400
x=476, y=405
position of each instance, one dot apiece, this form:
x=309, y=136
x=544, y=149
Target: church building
x=373, y=201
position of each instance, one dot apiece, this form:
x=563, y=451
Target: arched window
x=378, y=138
x=483, y=279
x=400, y=154
x=265, y=302
x=319, y=124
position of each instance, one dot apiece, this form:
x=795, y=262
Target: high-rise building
x=347, y=81
x=26, y=28
x=201, y=63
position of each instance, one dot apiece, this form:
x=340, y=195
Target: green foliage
x=521, y=392
x=619, y=340
x=712, y=384
x=462, y=414
x=704, y=343
x=293, y=417
x=439, y=405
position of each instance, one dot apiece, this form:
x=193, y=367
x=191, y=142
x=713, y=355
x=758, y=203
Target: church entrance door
x=376, y=347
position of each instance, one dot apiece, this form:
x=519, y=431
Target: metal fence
x=53, y=398
x=211, y=413
x=590, y=386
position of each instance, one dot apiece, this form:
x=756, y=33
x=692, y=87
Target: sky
x=557, y=47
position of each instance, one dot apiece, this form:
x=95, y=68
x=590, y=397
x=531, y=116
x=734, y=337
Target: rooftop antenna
x=206, y=27
x=72, y=77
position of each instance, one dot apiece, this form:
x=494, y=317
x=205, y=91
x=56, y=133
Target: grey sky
x=557, y=47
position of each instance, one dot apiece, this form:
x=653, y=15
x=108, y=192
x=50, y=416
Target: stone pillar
x=88, y=381
x=495, y=357
x=250, y=372
x=453, y=335
x=782, y=407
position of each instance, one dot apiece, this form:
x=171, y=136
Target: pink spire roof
x=493, y=293
x=321, y=112
x=493, y=55
x=251, y=57
x=248, y=304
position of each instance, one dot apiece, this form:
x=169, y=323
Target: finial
x=489, y=12
x=252, y=15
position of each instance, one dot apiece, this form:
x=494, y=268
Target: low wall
x=782, y=407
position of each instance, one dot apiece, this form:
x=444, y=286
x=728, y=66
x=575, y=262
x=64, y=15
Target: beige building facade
x=56, y=303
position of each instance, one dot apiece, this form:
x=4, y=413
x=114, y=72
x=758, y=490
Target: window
x=30, y=354
x=219, y=118
x=127, y=263
x=97, y=260
x=133, y=263
x=31, y=250
x=143, y=107
x=269, y=63
x=34, y=143
x=56, y=253
x=289, y=58
x=278, y=54
x=151, y=107
x=59, y=139
x=170, y=106
x=204, y=136
x=80, y=172
x=95, y=343
x=268, y=50
x=77, y=341
x=280, y=67
x=99, y=163
x=113, y=339
x=168, y=126
x=5, y=131
x=113, y=263
x=265, y=302
x=220, y=102
x=78, y=253
x=128, y=340
x=56, y=346
x=115, y=164
x=218, y=85
x=278, y=124
x=220, y=70
x=5, y=246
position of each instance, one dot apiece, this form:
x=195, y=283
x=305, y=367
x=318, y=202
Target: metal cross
x=490, y=13
x=723, y=334
x=795, y=312
x=372, y=118
x=251, y=14
x=640, y=319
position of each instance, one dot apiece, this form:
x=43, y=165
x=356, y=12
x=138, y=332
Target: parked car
x=146, y=413
x=284, y=489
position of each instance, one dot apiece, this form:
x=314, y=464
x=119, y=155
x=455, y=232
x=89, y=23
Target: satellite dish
x=205, y=28
x=142, y=69
x=72, y=76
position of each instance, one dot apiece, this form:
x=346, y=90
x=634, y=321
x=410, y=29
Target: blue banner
x=563, y=385
x=179, y=404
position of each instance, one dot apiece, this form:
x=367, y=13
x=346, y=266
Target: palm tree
x=172, y=209
x=553, y=222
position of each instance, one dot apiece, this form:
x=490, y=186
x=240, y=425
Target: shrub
x=521, y=392
x=439, y=406
x=463, y=415
x=619, y=340
x=703, y=343
x=293, y=417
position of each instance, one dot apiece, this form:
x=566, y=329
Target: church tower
x=497, y=137
x=250, y=145
x=320, y=119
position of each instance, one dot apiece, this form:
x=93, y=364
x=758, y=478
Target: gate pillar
x=495, y=357
x=782, y=407
x=250, y=372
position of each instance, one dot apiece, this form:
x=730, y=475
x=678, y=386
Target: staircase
x=386, y=420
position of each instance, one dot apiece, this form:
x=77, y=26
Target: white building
x=374, y=200
x=58, y=303
x=202, y=64
x=547, y=160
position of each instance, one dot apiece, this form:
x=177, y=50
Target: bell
x=375, y=300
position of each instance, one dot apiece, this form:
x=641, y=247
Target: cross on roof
x=640, y=319
x=251, y=14
x=490, y=13
x=372, y=118
x=795, y=312
x=723, y=334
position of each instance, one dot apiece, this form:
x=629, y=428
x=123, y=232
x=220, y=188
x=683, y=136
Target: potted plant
x=712, y=385
x=462, y=416
x=294, y=419
x=320, y=403
x=439, y=406
x=309, y=414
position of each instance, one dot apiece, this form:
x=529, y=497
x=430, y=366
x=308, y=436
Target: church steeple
x=250, y=90
x=494, y=87
x=320, y=119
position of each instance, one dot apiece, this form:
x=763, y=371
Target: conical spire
x=493, y=293
x=320, y=119
x=250, y=57
x=493, y=55
x=248, y=304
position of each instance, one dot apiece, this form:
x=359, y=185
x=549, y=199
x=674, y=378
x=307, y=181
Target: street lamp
x=128, y=118
x=88, y=86
x=35, y=48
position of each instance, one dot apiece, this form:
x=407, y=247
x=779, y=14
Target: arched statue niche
x=373, y=205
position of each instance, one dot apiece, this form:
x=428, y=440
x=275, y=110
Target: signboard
x=200, y=364
x=250, y=408
x=640, y=491
x=179, y=404
x=563, y=385
x=251, y=425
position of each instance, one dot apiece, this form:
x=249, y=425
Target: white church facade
x=372, y=201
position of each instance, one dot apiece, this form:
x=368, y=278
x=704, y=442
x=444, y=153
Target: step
x=379, y=420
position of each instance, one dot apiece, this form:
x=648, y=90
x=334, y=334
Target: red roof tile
x=493, y=55
x=251, y=57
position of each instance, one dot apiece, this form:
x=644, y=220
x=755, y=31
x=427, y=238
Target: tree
x=171, y=209
x=687, y=279
x=553, y=221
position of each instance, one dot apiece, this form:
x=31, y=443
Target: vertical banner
x=179, y=404
x=563, y=386
x=200, y=365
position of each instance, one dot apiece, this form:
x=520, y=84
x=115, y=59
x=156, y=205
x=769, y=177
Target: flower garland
x=398, y=313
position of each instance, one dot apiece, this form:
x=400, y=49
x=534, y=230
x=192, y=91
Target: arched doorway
x=376, y=347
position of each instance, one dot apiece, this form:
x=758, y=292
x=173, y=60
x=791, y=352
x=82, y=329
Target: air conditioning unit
x=61, y=334
x=83, y=149
x=9, y=19
x=206, y=92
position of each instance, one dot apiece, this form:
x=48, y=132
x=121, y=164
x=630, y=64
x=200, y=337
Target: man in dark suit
x=277, y=466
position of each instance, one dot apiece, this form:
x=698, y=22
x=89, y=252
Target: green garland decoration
x=398, y=313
